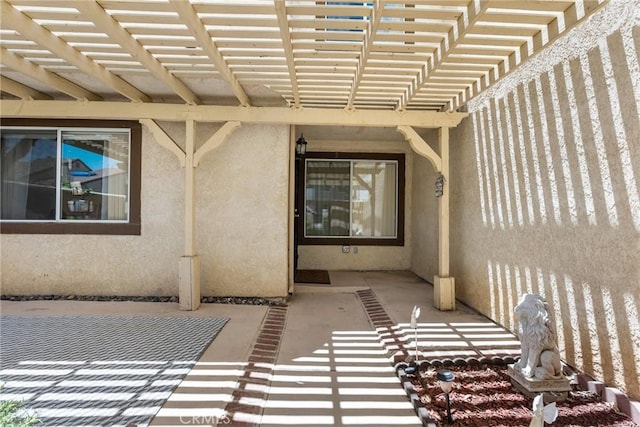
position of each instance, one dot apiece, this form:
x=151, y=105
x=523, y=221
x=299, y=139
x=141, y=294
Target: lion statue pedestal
x=539, y=370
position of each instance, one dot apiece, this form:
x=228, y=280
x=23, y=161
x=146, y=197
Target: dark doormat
x=313, y=276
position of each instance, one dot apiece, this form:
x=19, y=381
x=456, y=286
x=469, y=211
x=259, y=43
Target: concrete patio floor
x=319, y=361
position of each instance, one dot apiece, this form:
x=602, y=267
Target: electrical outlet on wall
x=345, y=249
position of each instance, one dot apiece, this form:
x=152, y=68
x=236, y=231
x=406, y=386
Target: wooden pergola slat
x=111, y=27
x=19, y=22
x=190, y=17
x=301, y=51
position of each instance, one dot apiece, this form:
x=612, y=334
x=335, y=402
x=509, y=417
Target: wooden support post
x=292, y=208
x=444, y=297
x=189, y=265
x=444, y=286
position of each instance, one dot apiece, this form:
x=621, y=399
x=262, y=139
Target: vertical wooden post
x=189, y=265
x=292, y=207
x=444, y=286
x=443, y=206
x=189, y=190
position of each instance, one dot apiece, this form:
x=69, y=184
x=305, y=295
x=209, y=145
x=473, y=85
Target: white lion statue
x=540, y=358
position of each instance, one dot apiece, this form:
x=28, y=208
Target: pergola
x=401, y=64
x=397, y=55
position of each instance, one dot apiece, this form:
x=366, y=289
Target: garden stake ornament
x=415, y=313
x=543, y=414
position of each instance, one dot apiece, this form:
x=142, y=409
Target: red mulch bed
x=483, y=396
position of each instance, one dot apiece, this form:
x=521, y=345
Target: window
x=62, y=176
x=353, y=198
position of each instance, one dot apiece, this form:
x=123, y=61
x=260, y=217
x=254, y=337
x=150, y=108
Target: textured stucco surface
x=330, y=257
x=107, y=265
x=243, y=214
x=424, y=216
x=544, y=195
x=241, y=227
x=367, y=258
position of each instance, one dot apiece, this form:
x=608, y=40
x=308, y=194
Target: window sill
x=341, y=241
x=69, y=228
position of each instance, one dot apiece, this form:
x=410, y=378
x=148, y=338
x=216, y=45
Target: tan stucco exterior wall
x=107, y=265
x=331, y=257
x=241, y=227
x=424, y=216
x=243, y=214
x=544, y=195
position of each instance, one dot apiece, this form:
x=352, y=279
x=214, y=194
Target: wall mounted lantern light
x=301, y=146
x=445, y=379
x=439, y=185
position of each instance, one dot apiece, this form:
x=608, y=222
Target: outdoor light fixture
x=301, y=146
x=439, y=185
x=445, y=379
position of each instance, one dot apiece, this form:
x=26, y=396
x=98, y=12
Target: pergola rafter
x=19, y=22
x=34, y=71
x=193, y=22
x=369, y=38
x=104, y=22
x=20, y=90
x=281, y=10
x=447, y=45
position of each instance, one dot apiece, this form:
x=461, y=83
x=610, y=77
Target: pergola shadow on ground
x=326, y=359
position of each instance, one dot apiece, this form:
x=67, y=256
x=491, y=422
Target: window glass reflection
x=94, y=175
x=28, y=168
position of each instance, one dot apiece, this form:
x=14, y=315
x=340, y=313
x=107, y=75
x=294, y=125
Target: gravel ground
x=204, y=299
x=483, y=396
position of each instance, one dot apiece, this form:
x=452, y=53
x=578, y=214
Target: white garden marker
x=415, y=313
x=543, y=414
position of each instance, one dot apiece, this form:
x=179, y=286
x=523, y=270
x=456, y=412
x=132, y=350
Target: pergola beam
x=213, y=113
x=443, y=52
x=283, y=23
x=190, y=17
x=21, y=65
x=21, y=23
x=571, y=16
x=372, y=30
x=104, y=22
x=21, y=91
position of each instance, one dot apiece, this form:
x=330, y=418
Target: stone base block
x=552, y=390
x=189, y=282
x=444, y=293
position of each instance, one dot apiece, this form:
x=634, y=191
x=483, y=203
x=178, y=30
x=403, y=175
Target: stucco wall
x=424, y=216
x=108, y=265
x=544, y=195
x=242, y=227
x=330, y=257
x=243, y=214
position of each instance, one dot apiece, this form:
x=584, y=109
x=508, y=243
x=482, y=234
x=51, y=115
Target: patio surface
x=325, y=359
